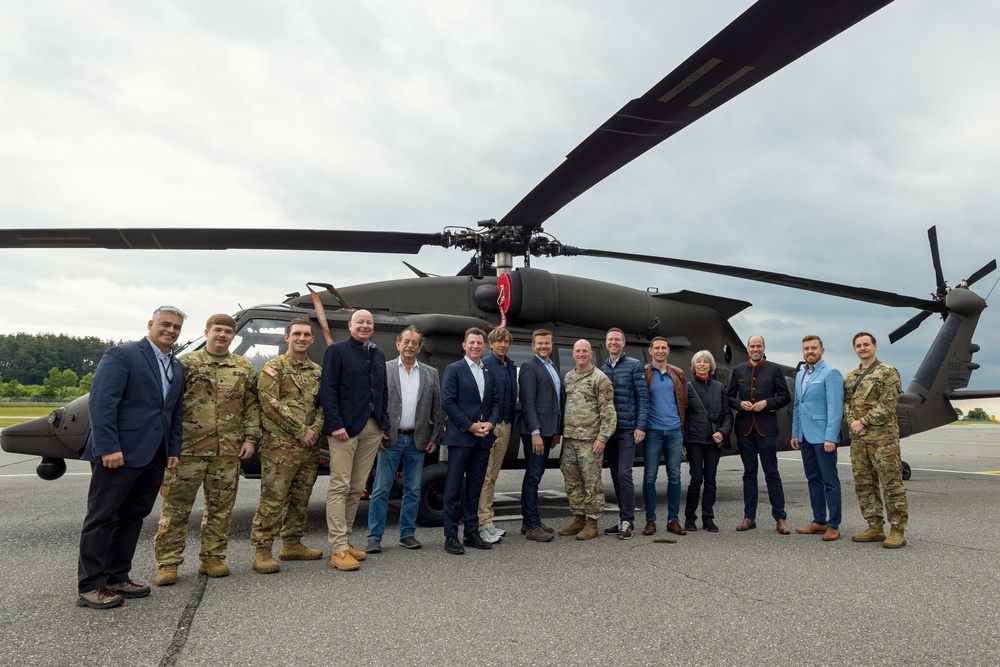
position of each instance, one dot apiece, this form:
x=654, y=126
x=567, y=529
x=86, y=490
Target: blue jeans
x=824, y=483
x=669, y=445
x=534, y=468
x=385, y=471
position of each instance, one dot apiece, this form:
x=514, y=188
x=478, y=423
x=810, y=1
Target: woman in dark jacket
x=707, y=425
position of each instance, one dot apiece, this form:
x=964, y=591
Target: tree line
x=49, y=365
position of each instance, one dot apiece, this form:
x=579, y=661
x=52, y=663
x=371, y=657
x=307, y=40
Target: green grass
x=15, y=413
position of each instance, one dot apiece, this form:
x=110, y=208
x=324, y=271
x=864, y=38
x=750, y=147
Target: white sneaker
x=488, y=536
x=500, y=532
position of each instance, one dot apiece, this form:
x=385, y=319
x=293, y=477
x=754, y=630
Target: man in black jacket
x=757, y=391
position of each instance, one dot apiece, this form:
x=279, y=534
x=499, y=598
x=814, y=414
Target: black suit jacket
x=541, y=405
x=753, y=383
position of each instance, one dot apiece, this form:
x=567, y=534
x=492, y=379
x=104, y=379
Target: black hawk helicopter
x=765, y=38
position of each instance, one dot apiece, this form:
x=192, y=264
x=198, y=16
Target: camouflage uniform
x=590, y=416
x=289, y=405
x=220, y=414
x=875, y=456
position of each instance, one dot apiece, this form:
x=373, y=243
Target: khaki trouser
x=502, y=431
x=350, y=463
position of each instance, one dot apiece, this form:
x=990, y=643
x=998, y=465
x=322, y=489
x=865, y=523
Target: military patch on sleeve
x=270, y=371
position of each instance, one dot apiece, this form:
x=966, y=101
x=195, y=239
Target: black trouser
x=118, y=501
x=704, y=462
x=765, y=447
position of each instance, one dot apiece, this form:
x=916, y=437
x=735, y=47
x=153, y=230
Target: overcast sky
x=415, y=116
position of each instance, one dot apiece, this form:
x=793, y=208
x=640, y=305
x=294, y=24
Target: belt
x=405, y=431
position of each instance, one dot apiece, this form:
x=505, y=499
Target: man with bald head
x=757, y=391
x=355, y=400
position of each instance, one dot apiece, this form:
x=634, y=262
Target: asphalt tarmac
x=752, y=598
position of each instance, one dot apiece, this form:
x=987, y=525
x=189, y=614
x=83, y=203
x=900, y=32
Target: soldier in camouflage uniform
x=288, y=388
x=871, y=392
x=221, y=423
x=589, y=421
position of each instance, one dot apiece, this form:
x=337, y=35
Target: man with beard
x=757, y=391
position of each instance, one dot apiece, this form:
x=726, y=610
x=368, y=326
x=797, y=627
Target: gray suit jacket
x=429, y=419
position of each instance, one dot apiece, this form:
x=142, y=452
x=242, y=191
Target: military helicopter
x=754, y=46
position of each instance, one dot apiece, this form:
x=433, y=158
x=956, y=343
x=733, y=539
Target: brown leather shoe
x=675, y=527
x=650, y=528
x=831, y=535
x=812, y=529
x=746, y=524
x=783, y=527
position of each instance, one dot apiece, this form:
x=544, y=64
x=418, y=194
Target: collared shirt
x=551, y=368
x=663, y=411
x=805, y=377
x=166, y=362
x=477, y=372
x=409, y=390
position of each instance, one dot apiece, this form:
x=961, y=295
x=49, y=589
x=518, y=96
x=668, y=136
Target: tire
x=906, y=471
x=430, y=512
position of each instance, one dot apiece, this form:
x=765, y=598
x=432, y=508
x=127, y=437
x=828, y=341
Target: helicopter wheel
x=906, y=471
x=430, y=512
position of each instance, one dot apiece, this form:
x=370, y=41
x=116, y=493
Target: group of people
x=169, y=426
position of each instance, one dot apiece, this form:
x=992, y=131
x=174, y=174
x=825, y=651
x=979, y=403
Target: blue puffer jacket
x=631, y=391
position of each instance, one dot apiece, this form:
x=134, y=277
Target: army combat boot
x=589, y=531
x=293, y=549
x=263, y=561
x=167, y=576
x=895, y=540
x=572, y=529
x=214, y=567
x=874, y=533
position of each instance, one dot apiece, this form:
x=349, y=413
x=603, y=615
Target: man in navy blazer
x=135, y=432
x=818, y=413
x=470, y=400
x=542, y=401
x=355, y=400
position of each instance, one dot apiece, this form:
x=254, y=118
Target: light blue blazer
x=819, y=411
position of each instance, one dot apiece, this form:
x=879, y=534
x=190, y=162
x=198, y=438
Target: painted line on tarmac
x=955, y=472
x=31, y=474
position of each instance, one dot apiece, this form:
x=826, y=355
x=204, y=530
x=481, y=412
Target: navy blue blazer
x=460, y=401
x=128, y=413
x=353, y=387
x=541, y=406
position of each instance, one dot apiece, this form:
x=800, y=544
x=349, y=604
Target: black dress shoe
x=476, y=542
x=710, y=526
x=453, y=546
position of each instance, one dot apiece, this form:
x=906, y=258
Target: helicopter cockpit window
x=259, y=340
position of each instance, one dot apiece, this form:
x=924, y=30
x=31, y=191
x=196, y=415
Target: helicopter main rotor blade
x=219, y=239
x=765, y=38
x=987, y=269
x=908, y=327
x=761, y=276
x=942, y=287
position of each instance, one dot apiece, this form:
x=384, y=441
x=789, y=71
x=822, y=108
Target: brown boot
x=872, y=534
x=293, y=549
x=896, y=539
x=167, y=576
x=214, y=567
x=589, y=531
x=263, y=561
x=574, y=528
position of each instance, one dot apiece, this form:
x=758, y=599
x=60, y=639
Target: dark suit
x=757, y=432
x=128, y=414
x=467, y=453
x=541, y=411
